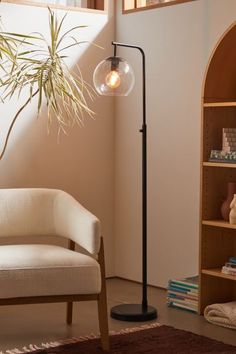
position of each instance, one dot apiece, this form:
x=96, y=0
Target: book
x=184, y=303
x=191, y=282
x=184, y=307
x=183, y=294
x=230, y=271
x=232, y=260
x=183, y=288
x=230, y=265
x=181, y=298
x=186, y=296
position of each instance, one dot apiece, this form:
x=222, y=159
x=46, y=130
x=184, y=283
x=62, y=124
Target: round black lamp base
x=133, y=313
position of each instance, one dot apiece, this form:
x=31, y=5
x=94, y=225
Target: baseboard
x=136, y=282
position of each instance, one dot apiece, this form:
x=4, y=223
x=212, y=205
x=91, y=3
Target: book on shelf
x=232, y=260
x=229, y=271
x=230, y=267
x=183, y=294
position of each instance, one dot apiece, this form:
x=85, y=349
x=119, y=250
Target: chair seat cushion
x=44, y=270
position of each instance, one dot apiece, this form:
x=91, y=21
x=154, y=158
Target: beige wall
x=82, y=162
x=178, y=41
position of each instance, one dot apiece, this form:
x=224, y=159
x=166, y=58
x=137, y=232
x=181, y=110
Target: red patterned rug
x=155, y=339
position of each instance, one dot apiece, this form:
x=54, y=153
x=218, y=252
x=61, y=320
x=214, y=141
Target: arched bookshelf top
x=220, y=79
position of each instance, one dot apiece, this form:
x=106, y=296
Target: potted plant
x=30, y=62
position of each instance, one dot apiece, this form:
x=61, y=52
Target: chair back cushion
x=47, y=212
x=26, y=212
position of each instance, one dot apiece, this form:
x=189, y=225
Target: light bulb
x=113, y=79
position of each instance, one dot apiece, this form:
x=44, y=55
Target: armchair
x=37, y=273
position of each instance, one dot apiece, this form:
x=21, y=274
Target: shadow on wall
x=81, y=163
x=35, y=158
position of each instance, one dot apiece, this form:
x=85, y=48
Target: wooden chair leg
x=69, y=312
x=102, y=303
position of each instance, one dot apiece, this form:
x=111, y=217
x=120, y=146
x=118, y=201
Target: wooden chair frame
x=101, y=299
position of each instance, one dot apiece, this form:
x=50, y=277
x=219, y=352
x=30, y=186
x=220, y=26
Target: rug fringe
x=33, y=347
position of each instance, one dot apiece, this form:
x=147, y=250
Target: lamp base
x=133, y=313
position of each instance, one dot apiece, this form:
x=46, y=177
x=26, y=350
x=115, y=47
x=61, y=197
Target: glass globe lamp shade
x=113, y=77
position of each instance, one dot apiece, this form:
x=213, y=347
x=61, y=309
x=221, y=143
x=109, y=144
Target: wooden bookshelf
x=217, y=237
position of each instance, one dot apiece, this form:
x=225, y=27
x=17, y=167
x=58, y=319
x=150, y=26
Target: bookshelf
x=217, y=237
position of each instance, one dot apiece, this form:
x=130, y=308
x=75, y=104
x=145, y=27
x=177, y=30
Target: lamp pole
x=136, y=312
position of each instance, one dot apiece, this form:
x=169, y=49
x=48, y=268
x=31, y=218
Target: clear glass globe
x=113, y=77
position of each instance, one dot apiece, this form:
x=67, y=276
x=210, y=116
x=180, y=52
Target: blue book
x=180, y=287
x=190, y=282
x=180, y=290
x=232, y=260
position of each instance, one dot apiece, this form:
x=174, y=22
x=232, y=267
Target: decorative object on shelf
x=183, y=294
x=119, y=81
x=36, y=65
x=221, y=156
x=225, y=207
x=232, y=214
x=228, y=152
x=228, y=139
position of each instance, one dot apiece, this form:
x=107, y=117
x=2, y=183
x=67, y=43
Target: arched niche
x=220, y=79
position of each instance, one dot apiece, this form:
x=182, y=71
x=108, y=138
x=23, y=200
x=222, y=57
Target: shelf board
x=220, y=104
x=219, y=223
x=216, y=272
x=219, y=164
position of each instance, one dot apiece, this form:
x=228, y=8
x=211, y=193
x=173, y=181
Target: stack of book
x=228, y=152
x=230, y=266
x=183, y=294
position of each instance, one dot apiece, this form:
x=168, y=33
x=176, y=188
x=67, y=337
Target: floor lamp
x=114, y=77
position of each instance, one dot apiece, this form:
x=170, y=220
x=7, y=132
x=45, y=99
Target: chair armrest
x=73, y=221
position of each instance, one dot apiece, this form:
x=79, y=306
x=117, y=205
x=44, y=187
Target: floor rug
x=155, y=339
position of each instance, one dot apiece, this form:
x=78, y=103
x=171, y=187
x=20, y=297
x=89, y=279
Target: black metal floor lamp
x=115, y=77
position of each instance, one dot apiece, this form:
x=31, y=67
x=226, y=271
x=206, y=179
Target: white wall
x=178, y=41
x=82, y=162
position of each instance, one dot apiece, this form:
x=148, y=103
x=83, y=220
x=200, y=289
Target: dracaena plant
x=32, y=63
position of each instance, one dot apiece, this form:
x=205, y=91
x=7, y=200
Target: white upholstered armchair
x=37, y=273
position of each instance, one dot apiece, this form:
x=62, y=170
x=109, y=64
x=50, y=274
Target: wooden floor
x=22, y=325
